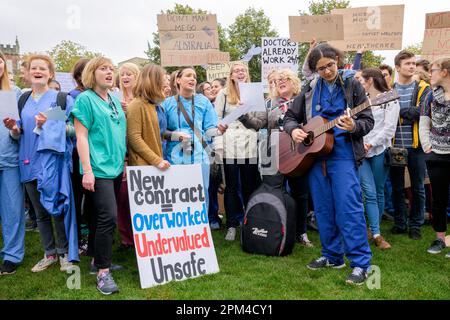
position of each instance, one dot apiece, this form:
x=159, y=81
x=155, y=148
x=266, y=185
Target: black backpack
x=60, y=100
x=270, y=219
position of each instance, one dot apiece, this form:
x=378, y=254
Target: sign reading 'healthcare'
x=170, y=224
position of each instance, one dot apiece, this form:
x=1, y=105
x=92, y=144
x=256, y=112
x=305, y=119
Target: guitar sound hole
x=309, y=140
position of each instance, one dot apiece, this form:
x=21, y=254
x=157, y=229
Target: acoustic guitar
x=295, y=159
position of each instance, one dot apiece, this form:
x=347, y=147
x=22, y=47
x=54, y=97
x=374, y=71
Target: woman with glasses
x=100, y=127
x=240, y=154
x=333, y=179
x=286, y=88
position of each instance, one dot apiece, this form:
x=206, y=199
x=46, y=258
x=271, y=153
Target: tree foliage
x=415, y=48
x=67, y=53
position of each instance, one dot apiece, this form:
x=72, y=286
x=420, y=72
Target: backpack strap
x=22, y=100
x=61, y=100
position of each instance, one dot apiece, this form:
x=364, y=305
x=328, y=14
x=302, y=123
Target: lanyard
x=115, y=112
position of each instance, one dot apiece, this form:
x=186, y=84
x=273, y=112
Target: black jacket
x=297, y=114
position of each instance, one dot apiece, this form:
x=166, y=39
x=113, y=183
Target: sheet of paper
x=56, y=114
x=8, y=105
x=252, y=99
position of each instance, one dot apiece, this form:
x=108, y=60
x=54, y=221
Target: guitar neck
x=329, y=125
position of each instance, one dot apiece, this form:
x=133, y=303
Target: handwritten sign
x=436, y=44
x=322, y=27
x=170, y=224
x=175, y=58
x=277, y=53
x=371, y=28
x=219, y=70
x=437, y=20
x=189, y=40
x=186, y=22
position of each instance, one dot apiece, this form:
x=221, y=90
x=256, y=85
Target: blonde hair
x=232, y=87
x=47, y=59
x=422, y=75
x=4, y=79
x=273, y=89
x=150, y=84
x=88, y=75
x=443, y=64
x=291, y=75
x=134, y=69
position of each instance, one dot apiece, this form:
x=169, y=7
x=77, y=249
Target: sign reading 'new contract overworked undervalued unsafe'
x=170, y=224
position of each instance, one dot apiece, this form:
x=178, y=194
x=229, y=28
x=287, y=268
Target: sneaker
x=357, y=277
x=114, y=267
x=64, y=262
x=415, y=234
x=31, y=225
x=304, y=241
x=106, y=284
x=214, y=226
x=436, y=246
x=7, y=267
x=381, y=243
x=323, y=262
x=46, y=262
x=447, y=255
x=231, y=234
x=398, y=230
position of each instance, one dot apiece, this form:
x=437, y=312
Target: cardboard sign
x=437, y=20
x=178, y=58
x=186, y=22
x=436, y=44
x=170, y=224
x=190, y=40
x=322, y=27
x=66, y=81
x=371, y=28
x=277, y=53
x=220, y=70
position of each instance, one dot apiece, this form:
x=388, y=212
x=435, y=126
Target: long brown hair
x=378, y=79
x=4, y=79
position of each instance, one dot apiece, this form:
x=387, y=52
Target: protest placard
x=170, y=224
x=186, y=22
x=8, y=105
x=220, y=70
x=371, y=28
x=177, y=58
x=321, y=27
x=437, y=20
x=277, y=53
x=436, y=38
x=66, y=81
x=189, y=40
x=436, y=44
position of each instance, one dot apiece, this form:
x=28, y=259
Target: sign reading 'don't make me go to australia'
x=170, y=224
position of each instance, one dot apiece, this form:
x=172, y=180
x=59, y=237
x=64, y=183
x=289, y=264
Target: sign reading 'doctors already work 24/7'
x=371, y=28
x=170, y=224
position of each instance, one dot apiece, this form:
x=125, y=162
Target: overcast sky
x=120, y=29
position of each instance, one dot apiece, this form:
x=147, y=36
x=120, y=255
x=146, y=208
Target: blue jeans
x=416, y=168
x=372, y=175
x=12, y=215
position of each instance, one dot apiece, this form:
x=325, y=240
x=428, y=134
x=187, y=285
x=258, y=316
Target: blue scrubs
x=335, y=188
x=12, y=217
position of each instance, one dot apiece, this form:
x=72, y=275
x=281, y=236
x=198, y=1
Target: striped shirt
x=404, y=134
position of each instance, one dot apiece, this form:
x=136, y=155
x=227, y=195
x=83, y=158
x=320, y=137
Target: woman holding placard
x=238, y=147
x=100, y=126
x=11, y=192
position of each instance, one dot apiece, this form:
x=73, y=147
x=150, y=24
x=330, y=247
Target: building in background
x=12, y=55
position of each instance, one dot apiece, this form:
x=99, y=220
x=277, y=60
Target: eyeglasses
x=115, y=113
x=436, y=69
x=281, y=80
x=328, y=66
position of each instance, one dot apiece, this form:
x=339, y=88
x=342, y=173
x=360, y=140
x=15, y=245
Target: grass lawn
x=407, y=272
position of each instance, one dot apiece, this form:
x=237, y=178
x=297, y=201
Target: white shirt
x=380, y=137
